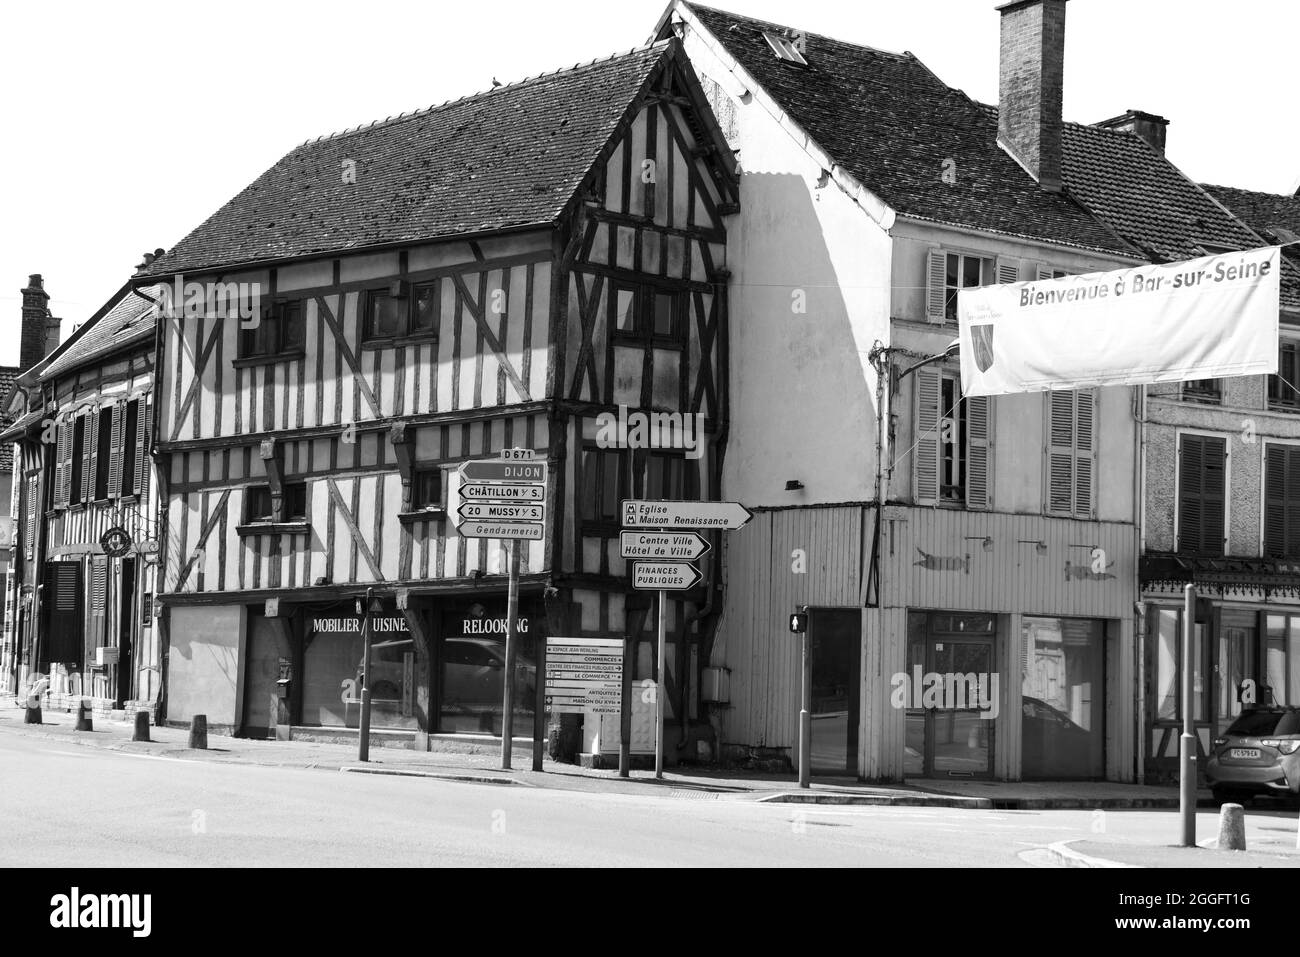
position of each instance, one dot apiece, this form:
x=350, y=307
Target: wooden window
x=282, y=331
x=116, y=450
x=1284, y=388
x=32, y=512
x=1202, y=473
x=89, y=455
x=1282, y=501
x=1205, y=391
x=103, y=451
x=62, y=456
x=259, y=504
x=416, y=311
x=949, y=272
x=952, y=460
x=664, y=476
x=426, y=490
x=652, y=314
x=1071, y=453
x=605, y=483
x=97, y=617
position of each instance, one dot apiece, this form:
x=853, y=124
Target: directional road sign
x=683, y=516
x=502, y=511
x=496, y=470
x=662, y=545
x=487, y=529
x=584, y=674
x=501, y=492
x=664, y=575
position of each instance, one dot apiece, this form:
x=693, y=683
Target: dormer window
x=787, y=48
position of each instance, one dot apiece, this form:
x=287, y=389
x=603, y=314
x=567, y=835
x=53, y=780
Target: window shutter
x=936, y=271
x=98, y=603
x=60, y=467
x=89, y=443
x=1291, y=541
x=1042, y=272
x=142, y=427
x=64, y=611
x=118, y=412
x=1008, y=271
x=925, y=468
x=1060, y=453
x=978, y=452
x=1201, y=494
x=1084, y=453
x=1275, y=501
x=31, y=517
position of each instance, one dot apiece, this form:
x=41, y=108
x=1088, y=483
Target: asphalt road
x=66, y=806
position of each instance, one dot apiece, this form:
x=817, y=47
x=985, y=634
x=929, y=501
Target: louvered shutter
x=1008, y=271
x=1291, y=496
x=32, y=513
x=61, y=437
x=1084, y=450
x=925, y=457
x=1042, y=272
x=64, y=614
x=1060, y=453
x=115, y=450
x=98, y=606
x=1275, y=463
x=143, y=424
x=936, y=292
x=1201, y=494
x=979, y=452
x=89, y=441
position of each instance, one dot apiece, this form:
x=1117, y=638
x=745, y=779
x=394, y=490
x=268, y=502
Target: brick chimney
x=1031, y=66
x=1150, y=127
x=40, y=330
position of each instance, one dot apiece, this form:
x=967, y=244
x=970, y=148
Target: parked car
x=1258, y=754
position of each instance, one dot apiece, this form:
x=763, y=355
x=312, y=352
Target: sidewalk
x=482, y=763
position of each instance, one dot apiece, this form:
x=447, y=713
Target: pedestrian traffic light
x=799, y=622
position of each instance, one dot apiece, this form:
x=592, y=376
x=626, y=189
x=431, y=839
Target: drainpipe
x=1140, y=630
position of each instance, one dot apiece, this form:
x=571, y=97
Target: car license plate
x=1244, y=753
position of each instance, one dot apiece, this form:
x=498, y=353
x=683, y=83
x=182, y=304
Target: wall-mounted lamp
x=793, y=485
x=1039, y=547
x=986, y=541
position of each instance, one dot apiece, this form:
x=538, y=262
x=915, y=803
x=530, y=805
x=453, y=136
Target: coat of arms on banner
x=982, y=339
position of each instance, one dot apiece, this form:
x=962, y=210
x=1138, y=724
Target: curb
x=1065, y=856
x=891, y=800
x=464, y=778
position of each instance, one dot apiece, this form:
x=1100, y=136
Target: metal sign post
x=363, y=748
x=512, y=648
x=805, y=706
x=1187, y=743
x=659, y=687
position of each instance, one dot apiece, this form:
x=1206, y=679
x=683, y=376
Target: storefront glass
x=471, y=670
x=1061, y=698
x=1169, y=658
x=1282, y=658
x=332, y=666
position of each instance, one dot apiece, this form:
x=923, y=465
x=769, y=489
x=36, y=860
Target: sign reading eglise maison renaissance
x=1199, y=319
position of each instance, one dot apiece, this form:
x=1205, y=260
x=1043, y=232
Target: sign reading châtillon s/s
x=503, y=498
x=584, y=674
x=1201, y=319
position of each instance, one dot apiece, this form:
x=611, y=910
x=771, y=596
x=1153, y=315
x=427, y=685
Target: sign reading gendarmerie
x=1200, y=319
x=584, y=674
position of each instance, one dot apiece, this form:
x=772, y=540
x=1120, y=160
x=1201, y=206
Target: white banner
x=1200, y=319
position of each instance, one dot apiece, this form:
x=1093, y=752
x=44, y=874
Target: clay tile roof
x=891, y=123
x=509, y=157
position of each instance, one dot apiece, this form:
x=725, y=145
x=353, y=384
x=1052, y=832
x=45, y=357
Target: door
x=835, y=645
x=126, y=625
x=950, y=691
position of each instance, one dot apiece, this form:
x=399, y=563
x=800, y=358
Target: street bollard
x=84, y=722
x=1232, y=828
x=199, y=732
x=32, y=714
x=141, y=732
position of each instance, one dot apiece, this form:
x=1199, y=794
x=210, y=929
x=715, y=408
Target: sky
x=129, y=123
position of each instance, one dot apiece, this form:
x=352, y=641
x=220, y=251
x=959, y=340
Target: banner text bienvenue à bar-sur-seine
x=1199, y=319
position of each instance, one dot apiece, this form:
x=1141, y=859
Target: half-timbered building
x=491, y=273
x=85, y=540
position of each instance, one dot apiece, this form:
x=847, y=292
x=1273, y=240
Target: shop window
x=1169, y=667
x=1202, y=474
x=259, y=504
x=1236, y=651
x=1061, y=698
x=472, y=668
x=281, y=331
x=1281, y=660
